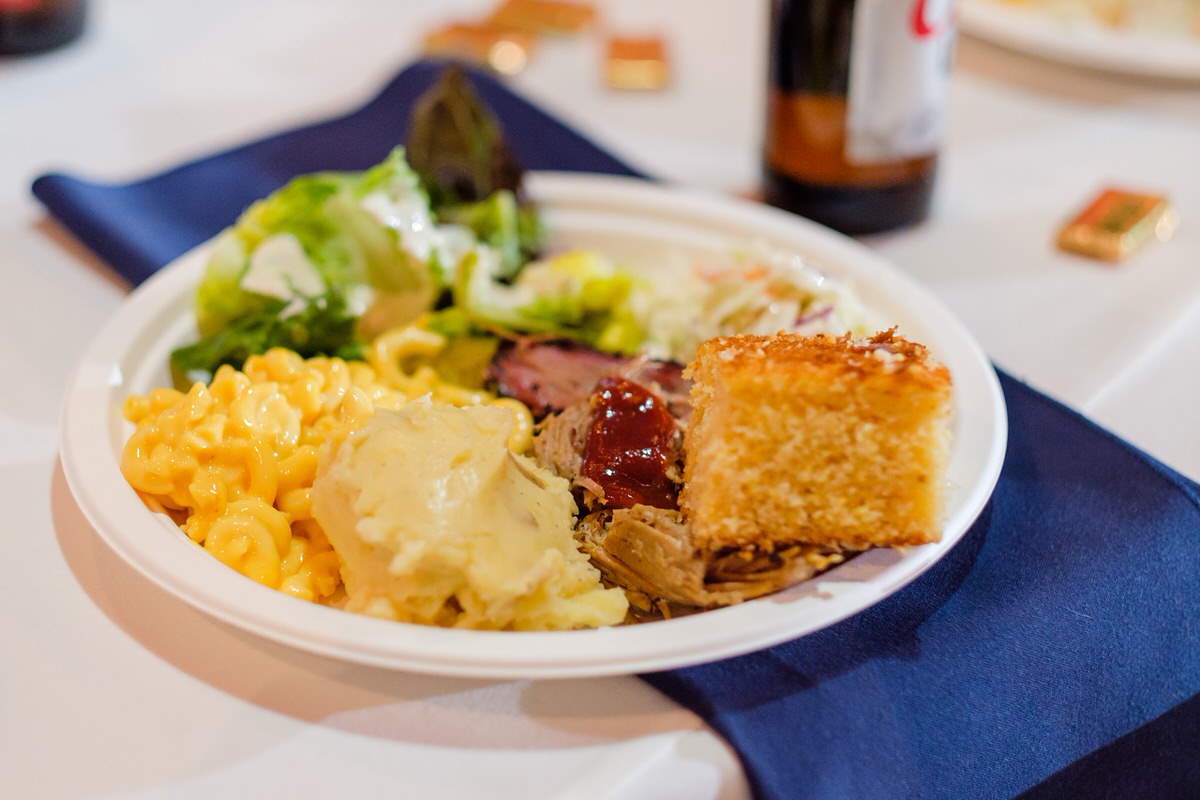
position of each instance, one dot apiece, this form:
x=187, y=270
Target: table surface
x=111, y=688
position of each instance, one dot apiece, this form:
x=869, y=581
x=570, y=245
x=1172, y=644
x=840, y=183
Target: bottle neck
x=810, y=46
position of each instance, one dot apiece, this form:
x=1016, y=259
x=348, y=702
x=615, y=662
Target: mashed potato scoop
x=436, y=522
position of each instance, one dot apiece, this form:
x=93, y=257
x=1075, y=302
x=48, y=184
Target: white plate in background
x=1082, y=43
x=639, y=224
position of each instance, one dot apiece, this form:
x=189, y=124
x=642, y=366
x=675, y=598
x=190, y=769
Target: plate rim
x=1133, y=54
x=220, y=592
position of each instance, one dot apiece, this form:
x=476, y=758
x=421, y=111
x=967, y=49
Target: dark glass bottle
x=31, y=26
x=855, y=101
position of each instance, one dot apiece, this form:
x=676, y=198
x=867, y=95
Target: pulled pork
x=637, y=537
x=552, y=376
x=649, y=552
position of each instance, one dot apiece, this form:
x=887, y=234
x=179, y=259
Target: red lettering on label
x=922, y=26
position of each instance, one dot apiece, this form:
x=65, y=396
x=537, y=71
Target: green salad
x=441, y=232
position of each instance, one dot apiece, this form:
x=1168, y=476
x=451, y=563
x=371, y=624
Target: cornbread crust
x=830, y=441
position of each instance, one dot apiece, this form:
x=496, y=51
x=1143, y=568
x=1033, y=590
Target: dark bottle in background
x=31, y=26
x=855, y=101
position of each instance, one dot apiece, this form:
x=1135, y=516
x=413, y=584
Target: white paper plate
x=640, y=224
x=1082, y=43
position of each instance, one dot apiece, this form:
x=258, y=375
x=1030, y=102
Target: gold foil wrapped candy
x=555, y=17
x=1116, y=223
x=637, y=63
x=505, y=51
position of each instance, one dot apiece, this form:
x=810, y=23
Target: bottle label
x=900, y=55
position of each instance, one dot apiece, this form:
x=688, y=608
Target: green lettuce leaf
x=457, y=145
x=575, y=295
x=322, y=326
x=514, y=231
x=353, y=229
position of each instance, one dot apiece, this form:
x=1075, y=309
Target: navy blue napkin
x=1064, y=620
x=1054, y=652
x=141, y=226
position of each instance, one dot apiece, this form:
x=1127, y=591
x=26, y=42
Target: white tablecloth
x=111, y=688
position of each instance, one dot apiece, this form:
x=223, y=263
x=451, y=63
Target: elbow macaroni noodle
x=391, y=350
x=233, y=462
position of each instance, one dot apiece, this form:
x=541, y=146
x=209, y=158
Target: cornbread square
x=832, y=441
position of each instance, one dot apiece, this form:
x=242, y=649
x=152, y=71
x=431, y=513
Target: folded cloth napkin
x=1055, y=651
x=141, y=226
x=1065, y=619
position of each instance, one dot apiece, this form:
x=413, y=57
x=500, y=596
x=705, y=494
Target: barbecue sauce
x=628, y=450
